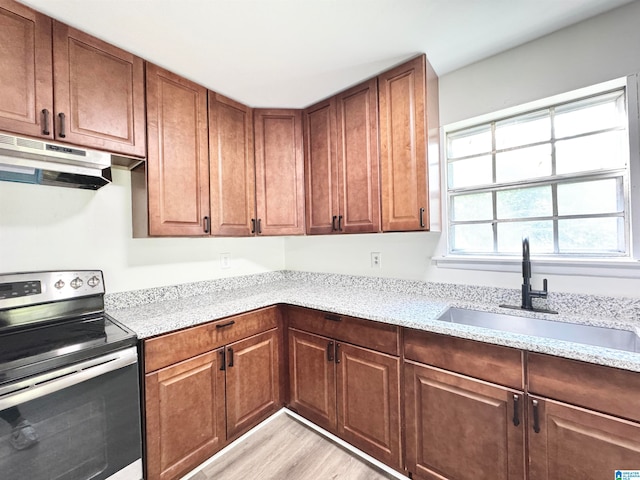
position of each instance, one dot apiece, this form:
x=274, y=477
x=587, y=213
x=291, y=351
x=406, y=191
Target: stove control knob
x=93, y=281
x=59, y=284
x=76, y=283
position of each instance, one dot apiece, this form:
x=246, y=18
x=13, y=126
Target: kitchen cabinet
x=457, y=426
x=342, y=165
x=60, y=83
x=346, y=388
x=279, y=172
x=232, y=167
x=177, y=167
x=408, y=104
x=584, y=419
x=206, y=385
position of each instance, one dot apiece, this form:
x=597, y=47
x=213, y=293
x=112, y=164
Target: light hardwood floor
x=285, y=449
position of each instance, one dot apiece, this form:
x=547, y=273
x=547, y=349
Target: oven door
x=77, y=422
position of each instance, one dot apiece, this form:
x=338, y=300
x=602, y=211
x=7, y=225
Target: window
x=558, y=175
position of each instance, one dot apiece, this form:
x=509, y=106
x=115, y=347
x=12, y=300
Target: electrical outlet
x=376, y=260
x=225, y=260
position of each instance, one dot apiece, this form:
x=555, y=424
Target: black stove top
x=53, y=319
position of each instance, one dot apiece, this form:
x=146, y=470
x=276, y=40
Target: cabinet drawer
x=605, y=389
x=365, y=333
x=177, y=346
x=493, y=363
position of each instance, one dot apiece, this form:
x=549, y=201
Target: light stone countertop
x=410, y=304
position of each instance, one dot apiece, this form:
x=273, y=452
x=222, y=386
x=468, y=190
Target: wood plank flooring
x=285, y=449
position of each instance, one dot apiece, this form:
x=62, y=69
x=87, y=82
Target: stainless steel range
x=69, y=384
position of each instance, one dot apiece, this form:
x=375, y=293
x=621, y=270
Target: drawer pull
x=45, y=122
x=330, y=352
x=223, y=325
x=333, y=223
x=223, y=360
x=62, y=133
x=422, y=218
x=333, y=318
x=253, y=225
x=337, y=353
x=536, y=417
x=207, y=225
x=339, y=223
x=516, y=410
x=230, y=364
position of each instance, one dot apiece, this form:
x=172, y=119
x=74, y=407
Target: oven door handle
x=26, y=390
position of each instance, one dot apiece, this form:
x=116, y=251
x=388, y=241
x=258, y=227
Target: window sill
x=614, y=268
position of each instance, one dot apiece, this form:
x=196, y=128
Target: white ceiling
x=291, y=53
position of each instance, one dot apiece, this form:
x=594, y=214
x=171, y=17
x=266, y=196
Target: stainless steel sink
x=600, y=336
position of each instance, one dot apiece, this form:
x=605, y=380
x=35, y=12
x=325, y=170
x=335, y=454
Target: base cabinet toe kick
x=427, y=405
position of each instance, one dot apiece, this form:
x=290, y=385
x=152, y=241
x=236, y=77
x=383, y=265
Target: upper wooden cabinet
x=279, y=172
x=98, y=88
x=407, y=112
x=26, y=82
x=342, y=165
x=178, y=157
x=98, y=92
x=231, y=167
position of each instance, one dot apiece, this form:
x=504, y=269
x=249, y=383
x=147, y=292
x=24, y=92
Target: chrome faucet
x=528, y=294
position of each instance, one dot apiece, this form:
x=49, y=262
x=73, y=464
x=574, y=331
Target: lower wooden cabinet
x=461, y=428
x=349, y=390
x=197, y=405
x=572, y=442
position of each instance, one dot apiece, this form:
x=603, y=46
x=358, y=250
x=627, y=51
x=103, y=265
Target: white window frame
x=625, y=267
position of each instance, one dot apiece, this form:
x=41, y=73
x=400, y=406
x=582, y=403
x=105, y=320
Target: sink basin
x=600, y=336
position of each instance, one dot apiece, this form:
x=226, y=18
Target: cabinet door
x=25, y=71
x=185, y=421
x=312, y=377
x=253, y=381
x=358, y=160
x=279, y=172
x=368, y=395
x=573, y=442
x=321, y=174
x=178, y=159
x=461, y=428
x=403, y=141
x=100, y=91
x=232, y=167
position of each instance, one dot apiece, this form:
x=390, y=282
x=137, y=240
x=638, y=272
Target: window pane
x=477, y=238
x=523, y=163
x=591, y=235
x=600, y=196
x=540, y=235
x=590, y=115
x=469, y=142
x=524, y=130
x=594, y=152
x=524, y=202
x=471, y=172
x=475, y=206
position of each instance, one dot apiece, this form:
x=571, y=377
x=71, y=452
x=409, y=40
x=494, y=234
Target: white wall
x=594, y=51
x=57, y=228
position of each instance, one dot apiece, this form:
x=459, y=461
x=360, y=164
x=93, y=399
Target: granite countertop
x=410, y=304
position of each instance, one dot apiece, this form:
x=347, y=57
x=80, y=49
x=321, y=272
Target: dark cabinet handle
x=333, y=318
x=62, y=133
x=330, y=352
x=337, y=353
x=223, y=359
x=228, y=324
x=516, y=410
x=333, y=223
x=230, y=350
x=536, y=417
x=253, y=226
x=259, y=226
x=339, y=223
x=207, y=225
x=45, y=122
x=421, y=217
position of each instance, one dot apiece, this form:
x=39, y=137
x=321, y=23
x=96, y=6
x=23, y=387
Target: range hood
x=35, y=161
